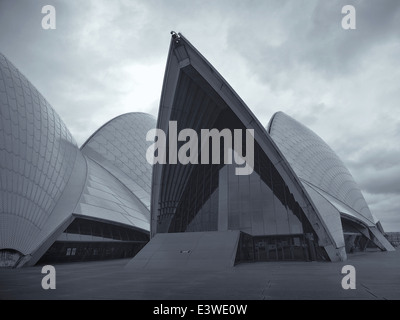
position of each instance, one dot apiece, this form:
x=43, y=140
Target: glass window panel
x=282, y=223
x=268, y=210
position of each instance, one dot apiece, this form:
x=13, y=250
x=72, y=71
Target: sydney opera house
x=62, y=203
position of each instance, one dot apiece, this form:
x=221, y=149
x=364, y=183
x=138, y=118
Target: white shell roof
x=316, y=163
x=37, y=159
x=120, y=147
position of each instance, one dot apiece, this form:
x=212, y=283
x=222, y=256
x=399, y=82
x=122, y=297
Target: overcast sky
x=106, y=58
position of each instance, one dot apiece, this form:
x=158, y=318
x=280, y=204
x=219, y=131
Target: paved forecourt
x=377, y=277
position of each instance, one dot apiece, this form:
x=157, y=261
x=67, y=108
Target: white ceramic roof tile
x=29, y=141
x=120, y=146
x=316, y=163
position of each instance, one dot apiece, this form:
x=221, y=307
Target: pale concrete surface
x=377, y=277
x=182, y=250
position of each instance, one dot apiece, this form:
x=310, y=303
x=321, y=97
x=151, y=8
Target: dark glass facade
x=198, y=209
x=258, y=208
x=354, y=237
x=259, y=204
x=278, y=248
x=86, y=240
x=9, y=257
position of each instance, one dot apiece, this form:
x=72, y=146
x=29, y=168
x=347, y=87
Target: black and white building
x=104, y=200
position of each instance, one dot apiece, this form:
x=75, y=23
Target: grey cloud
x=70, y=66
x=378, y=170
x=383, y=182
x=382, y=158
x=312, y=114
x=314, y=40
x=386, y=208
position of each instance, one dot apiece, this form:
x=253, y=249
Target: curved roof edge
x=108, y=122
x=268, y=127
